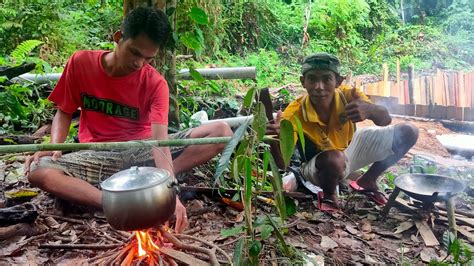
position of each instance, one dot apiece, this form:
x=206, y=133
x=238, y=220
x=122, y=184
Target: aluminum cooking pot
x=138, y=198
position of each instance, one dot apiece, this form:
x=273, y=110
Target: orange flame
x=145, y=243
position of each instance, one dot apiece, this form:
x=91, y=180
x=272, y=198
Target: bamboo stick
x=116, y=145
x=110, y=145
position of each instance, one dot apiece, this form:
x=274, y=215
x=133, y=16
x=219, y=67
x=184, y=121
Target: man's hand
x=35, y=158
x=181, y=217
x=358, y=110
x=273, y=127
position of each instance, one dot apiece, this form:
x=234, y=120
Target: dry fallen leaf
x=368, y=236
x=428, y=254
x=370, y=260
x=365, y=226
x=327, y=243
x=403, y=227
x=414, y=238
x=51, y=222
x=352, y=230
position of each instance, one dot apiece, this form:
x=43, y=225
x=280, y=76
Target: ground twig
x=78, y=246
x=212, y=245
x=179, y=244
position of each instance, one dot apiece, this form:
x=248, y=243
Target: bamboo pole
x=111, y=145
x=116, y=145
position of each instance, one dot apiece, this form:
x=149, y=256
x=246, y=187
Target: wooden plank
x=463, y=231
x=426, y=233
x=398, y=85
x=422, y=110
x=462, y=91
x=411, y=83
x=183, y=257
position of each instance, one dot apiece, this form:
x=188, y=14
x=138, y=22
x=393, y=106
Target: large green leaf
x=239, y=252
x=249, y=97
x=232, y=231
x=277, y=187
x=189, y=40
x=279, y=236
x=299, y=127
x=228, y=150
x=266, y=231
x=199, y=16
x=248, y=195
x=287, y=141
x=259, y=121
x=255, y=248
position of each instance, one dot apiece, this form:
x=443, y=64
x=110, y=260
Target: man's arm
x=379, y=115
x=358, y=110
x=60, y=126
x=59, y=132
x=163, y=160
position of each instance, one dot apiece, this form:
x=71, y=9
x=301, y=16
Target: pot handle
x=412, y=168
x=173, y=184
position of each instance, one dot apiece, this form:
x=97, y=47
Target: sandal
x=376, y=196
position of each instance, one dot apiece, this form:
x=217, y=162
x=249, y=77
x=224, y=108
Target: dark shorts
x=96, y=166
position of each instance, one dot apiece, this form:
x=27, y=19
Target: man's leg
x=71, y=175
x=331, y=167
x=326, y=170
x=66, y=187
x=195, y=155
x=405, y=136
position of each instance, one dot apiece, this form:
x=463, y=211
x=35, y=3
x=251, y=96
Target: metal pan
x=428, y=187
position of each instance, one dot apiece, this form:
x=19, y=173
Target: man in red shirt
x=121, y=98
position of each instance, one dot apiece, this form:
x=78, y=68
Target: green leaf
x=255, y=248
x=290, y=206
x=196, y=75
x=22, y=50
x=259, y=121
x=8, y=140
x=228, y=150
x=265, y=162
x=279, y=236
x=199, y=16
x=266, y=231
x=249, y=97
x=238, y=252
x=277, y=187
x=248, y=195
x=190, y=41
x=301, y=138
x=287, y=141
x=232, y=231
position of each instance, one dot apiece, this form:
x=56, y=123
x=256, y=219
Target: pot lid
x=135, y=178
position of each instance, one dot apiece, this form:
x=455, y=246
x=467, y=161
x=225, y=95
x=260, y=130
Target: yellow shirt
x=333, y=136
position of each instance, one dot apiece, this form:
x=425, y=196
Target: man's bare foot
x=334, y=199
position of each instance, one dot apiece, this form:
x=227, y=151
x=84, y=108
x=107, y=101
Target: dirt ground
x=358, y=235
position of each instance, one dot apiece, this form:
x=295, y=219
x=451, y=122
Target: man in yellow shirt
x=333, y=148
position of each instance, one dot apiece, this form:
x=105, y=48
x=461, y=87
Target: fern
x=22, y=50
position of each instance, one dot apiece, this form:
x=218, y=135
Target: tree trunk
x=166, y=61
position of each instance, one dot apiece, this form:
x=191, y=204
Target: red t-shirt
x=112, y=108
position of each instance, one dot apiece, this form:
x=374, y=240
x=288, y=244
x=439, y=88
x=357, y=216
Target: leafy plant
x=250, y=171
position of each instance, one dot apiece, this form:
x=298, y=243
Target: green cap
x=321, y=61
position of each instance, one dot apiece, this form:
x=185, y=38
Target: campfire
x=161, y=247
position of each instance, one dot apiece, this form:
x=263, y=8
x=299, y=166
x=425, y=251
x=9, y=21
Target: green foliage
x=287, y=141
x=461, y=252
x=64, y=28
x=24, y=49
